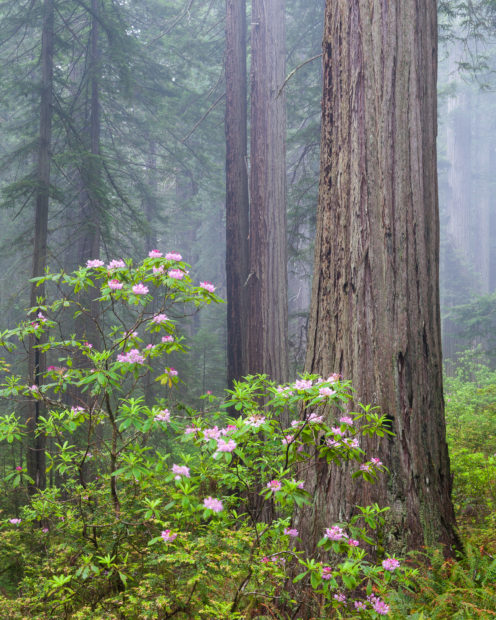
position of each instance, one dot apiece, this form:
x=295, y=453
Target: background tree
x=375, y=300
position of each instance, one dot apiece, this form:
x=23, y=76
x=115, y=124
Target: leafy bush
x=153, y=509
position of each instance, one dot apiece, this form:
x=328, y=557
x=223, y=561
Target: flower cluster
x=163, y=416
x=131, y=357
x=211, y=503
x=180, y=470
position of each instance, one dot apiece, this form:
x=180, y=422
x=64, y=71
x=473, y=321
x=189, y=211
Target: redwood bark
x=267, y=279
x=375, y=301
x=36, y=452
x=237, y=204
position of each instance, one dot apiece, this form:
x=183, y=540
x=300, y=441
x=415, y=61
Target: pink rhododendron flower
x=168, y=338
x=149, y=347
x=175, y=274
x=34, y=388
x=287, y=440
x=15, y=521
x=375, y=461
x=291, y=532
x=334, y=377
x=94, y=263
x=337, y=431
x=208, y=286
x=326, y=391
x=213, y=504
x=346, y=420
x=255, y=420
x=190, y=430
x=379, y=606
x=274, y=485
x=157, y=270
x=41, y=317
x=335, y=533
x=226, y=446
x=316, y=419
x=326, y=572
x=160, y=318
x=173, y=256
x=351, y=442
x=45, y=530
x=140, y=289
x=180, y=470
x=353, y=542
x=332, y=443
x=18, y=468
x=116, y=264
x=302, y=384
x=115, y=285
x=154, y=253
x=359, y=605
x=172, y=372
x=211, y=433
x=131, y=357
x=390, y=564
x=88, y=345
x=162, y=416
x=168, y=536
x=365, y=467
x=340, y=597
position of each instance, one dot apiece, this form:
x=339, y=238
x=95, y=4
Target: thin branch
x=290, y=75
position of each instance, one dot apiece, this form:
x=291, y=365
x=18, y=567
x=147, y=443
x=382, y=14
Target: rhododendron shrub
x=155, y=510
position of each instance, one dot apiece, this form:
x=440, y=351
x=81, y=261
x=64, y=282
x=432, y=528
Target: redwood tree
x=375, y=301
x=267, y=279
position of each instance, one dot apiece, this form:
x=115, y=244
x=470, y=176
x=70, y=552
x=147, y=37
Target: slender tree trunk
x=36, y=452
x=237, y=204
x=267, y=280
x=375, y=303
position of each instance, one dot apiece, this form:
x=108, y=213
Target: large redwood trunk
x=36, y=449
x=237, y=205
x=375, y=302
x=267, y=279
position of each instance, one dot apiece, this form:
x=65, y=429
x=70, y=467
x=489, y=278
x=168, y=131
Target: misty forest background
x=138, y=158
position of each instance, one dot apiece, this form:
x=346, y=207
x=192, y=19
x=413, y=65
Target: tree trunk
x=267, y=280
x=375, y=302
x=237, y=204
x=37, y=363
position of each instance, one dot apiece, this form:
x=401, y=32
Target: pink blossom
x=34, y=388
x=115, y=285
x=162, y=416
x=346, y=420
x=316, y=419
x=94, y=263
x=157, y=270
x=45, y=530
x=213, y=504
x=211, y=433
x=180, y=470
x=190, y=430
x=302, y=384
x=226, y=446
x=380, y=607
x=274, y=485
x=337, y=431
x=41, y=317
x=18, y=468
x=160, y=318
x=116, y=264
x=353, y=542
x=168, y=536
x=149, y=347
x=255, y=420
x=334, y=377
x=167, y=338
x=359, y=605
x=287, y=440
x=131, y=357
x=88, y=345
x=390, y=564
x=295, y=423
x=291, y=532
x=365, y=467
x=326, y=572
x=209, y=392
x=140, y=289
x=229, y=428
x=335, y=533
x=332, y=443
x=351, y=442
x=265, y=559
x=301, y=485
x=172, y=372
x=208, y=286
x=375, y=461
x=326, y=391
x=173, y=256
x=175, y=274
x=15, y=521
x=341, y=598
x=154, y=253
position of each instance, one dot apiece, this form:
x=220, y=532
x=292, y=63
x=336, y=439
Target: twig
x=290, y=75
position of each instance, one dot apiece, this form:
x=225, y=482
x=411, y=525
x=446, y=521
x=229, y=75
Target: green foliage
x=154, y=512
